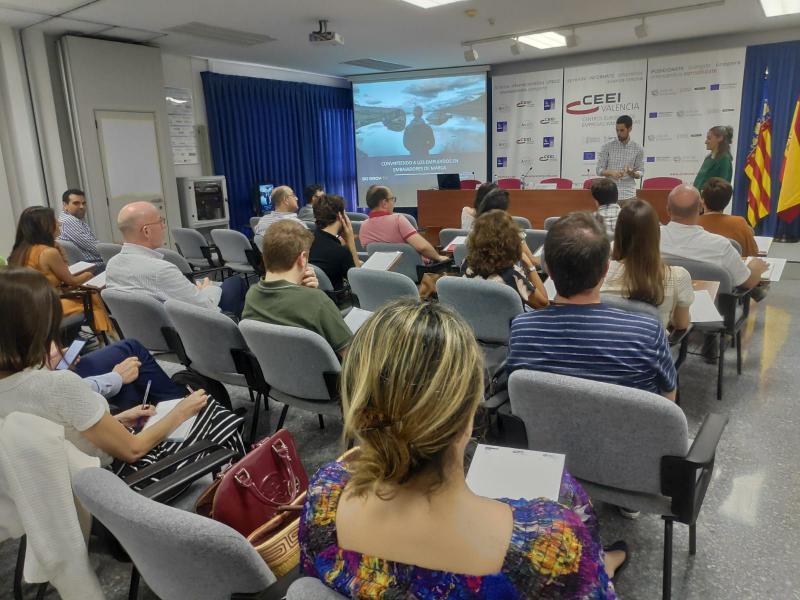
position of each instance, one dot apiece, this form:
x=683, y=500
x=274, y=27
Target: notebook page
x=497, y=472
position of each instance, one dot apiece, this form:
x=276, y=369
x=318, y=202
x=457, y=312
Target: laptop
x=449, y=181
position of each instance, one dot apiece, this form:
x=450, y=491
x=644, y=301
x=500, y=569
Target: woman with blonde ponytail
x=718, y=163
x=397, y=520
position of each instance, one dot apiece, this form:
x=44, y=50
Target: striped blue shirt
x=78, y=232
x=593, y=341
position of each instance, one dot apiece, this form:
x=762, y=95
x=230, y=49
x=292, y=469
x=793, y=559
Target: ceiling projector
x=323, y=37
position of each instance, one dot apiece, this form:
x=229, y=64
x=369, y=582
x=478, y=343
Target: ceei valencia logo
x=591, y=103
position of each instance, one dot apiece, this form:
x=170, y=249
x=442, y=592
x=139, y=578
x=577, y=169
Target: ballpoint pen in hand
x=146, y=393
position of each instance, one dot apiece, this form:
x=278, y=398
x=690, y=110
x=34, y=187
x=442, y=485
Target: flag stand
x=783, y=237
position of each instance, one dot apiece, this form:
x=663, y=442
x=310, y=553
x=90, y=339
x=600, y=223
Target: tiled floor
x=749, y=528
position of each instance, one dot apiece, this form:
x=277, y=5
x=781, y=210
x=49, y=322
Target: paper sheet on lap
x=165, y=407
x=497, y=472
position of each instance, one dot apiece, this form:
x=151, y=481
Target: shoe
x=628, y=513
x=623, y=546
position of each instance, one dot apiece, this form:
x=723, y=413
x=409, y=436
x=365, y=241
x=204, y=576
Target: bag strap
x=284, y=459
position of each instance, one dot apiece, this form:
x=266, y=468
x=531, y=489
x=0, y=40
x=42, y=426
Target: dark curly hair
x=327, y=209
x=493, y=244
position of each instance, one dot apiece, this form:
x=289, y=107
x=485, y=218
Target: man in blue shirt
x=577, y=335
x=74, y=227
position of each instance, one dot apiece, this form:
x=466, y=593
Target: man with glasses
x=284, y=202
x=140, y=267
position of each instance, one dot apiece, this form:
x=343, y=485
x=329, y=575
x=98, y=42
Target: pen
x=146, y=393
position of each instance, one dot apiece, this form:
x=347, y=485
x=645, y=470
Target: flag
x=789, y=199
x=757, y=166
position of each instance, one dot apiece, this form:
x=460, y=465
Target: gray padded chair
x=253, y=222
x=140, y=317
x=107, y=251
x=411, y=220
x=299, y=366
x=375, y=288
x=258, y=240
x=312, y=227
x=72, y=252
x=233, y=247
x=629, y=305
x=179, y=261
x=179, y=554
x=310, y=588
x=634, y=451
x=324, y=281
x=736, y=245
x=356, y=228
x=459, y=255
x=194, y=247
x=535, y=238
x=410, y=264
x=549, y=222
x=522, y=222
x=357, y=216
x=447, y=235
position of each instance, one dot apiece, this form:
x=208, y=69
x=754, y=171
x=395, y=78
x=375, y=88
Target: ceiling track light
x=515, y=47
x=470, y=54
x=572, y=39
x=641, y=30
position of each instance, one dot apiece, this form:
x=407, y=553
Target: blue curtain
x=783, y=61
x=279, y=132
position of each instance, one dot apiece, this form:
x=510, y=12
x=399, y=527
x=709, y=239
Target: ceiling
x=386, y=30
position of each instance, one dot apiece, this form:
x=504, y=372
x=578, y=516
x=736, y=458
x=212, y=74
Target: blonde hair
x=411, y=383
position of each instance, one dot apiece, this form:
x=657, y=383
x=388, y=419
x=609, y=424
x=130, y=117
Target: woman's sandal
x=616, y=546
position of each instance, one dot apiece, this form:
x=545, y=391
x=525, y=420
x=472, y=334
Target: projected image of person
x=418, y=137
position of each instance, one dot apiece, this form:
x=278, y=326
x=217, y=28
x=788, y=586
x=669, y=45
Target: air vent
x=375, y=65
x=222, y=34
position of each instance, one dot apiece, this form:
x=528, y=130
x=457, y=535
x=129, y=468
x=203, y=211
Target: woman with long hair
x=718, y=163
x=636, y=270
x=495, y=254
x=470, y=213
x=35, y=247
x=397, y=520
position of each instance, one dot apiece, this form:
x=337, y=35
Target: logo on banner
x=548, y=157
x=548, y=141
x=607, y=102
x=589, y=155
x=549, y=121
x=699, y=88
x=714, y=87
x=524, y=103
x=653, y=115
x=650, y=159
x=502, y=126
x=549, y=103
x=502, y=161
x=525, y=140
x=689, y=113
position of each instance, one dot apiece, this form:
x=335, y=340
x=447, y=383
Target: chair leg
x=254, y=420
x=41, y=591
x=133, y=591
x=23, y=542
x=693, y=539
x=738, y=339
x=321, y=422
x=666, y=588
x=282, y=417
x=720, y=365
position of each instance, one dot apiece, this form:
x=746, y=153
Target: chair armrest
x=166, y=488
x=277, y=591
x=512, y=431
x=705, y=444
x=169, y=462
x=247, y=365
x=255, y=260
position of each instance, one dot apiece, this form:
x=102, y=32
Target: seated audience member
x=333, y=255
x=288, y=294
x=311, y=193
x=605, y=194
x=284, y=206
x=139, y=267
x=75, y=229
x=411, y=384
x=32, y=313
x=470, y=213
x=35, y=247
x=385, y=225
x=684, y=237
x=577, y=335
x=716, y=195
x=637, y=272
x=494, y=253
x=499, y=199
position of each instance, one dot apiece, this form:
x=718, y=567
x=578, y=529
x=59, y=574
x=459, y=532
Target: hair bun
x=729, y=134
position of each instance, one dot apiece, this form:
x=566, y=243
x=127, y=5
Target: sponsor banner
x=526, y=134
x=687, y=94
x=594, y=97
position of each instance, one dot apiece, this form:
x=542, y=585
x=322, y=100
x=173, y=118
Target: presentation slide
x=410, y=130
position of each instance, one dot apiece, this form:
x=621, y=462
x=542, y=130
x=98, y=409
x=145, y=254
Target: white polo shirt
x=695, y=243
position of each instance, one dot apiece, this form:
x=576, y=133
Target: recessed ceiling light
x=543, y=41
x=431, y=3
x=778, y=8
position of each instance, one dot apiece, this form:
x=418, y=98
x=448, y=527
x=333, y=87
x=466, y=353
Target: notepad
x=382, y=261
x=97, y=282
x=775, y=270
x=764, y=243
x=703, y=310
x=457, y=241
x=497, y=472
x=162, y=410
x=80, y=267
x=356, y=318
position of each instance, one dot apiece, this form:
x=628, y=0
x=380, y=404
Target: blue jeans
x=105, y=359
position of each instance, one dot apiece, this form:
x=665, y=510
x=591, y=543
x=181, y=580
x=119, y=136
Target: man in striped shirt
x=74, y=228
x=284, y=202
x=622, y=159
x=577, y=335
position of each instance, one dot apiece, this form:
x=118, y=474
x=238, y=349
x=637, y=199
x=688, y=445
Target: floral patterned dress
x=554, y=552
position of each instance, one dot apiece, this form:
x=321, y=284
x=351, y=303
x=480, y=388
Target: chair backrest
x=189, y=243
x=292, y=359
x=177, y=260
x=72, y=252
x=407, y=265
x=706, y=271
x=411, y=220
x=535, y=238
x=178, y=553
x=561, y=182
x=232, y=245
x=626, y=304
x=509, y=183
x=376, y=288
x=487, y=306
x=661, y=183
x=311, y=588
x=470, y=184
x=459, y=255
x=139, y=316
x=736, y=245
x=312, y=227
x=587, y=183
x=522, y=222
x=549, y=222
x=258, y=240
x=447, y=235
x=620, y=446
x=356, y=229
x=108, y=251
x=324, y=281
x=253, y=222
x=357, y=216
x=207, y=336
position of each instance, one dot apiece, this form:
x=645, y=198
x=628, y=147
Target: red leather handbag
x=257, y=488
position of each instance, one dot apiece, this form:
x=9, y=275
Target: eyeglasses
x=161, y=222
x=392, y=198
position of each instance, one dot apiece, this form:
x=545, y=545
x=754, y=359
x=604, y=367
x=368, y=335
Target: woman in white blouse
x=637, y=272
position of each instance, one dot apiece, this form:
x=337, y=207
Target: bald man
x=284, y=206
x=140, y=267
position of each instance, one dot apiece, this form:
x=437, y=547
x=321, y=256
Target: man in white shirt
x=683, y=237
x=622, y=159
x=140, y=267
x=284, y=206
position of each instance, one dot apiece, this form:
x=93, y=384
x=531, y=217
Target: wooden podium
x=437, y=209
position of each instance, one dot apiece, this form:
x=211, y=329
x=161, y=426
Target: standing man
x=311, y=193
x=74, y=229
x=284, y=202
x=418, y=137
x=622, y=160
